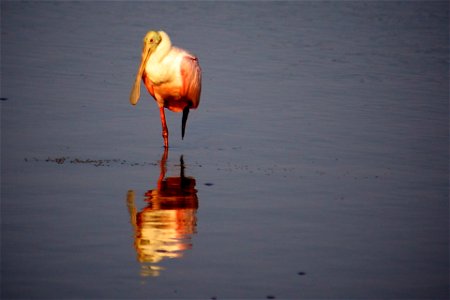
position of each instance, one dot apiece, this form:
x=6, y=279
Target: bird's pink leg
x=162, y=173
x=165, y=131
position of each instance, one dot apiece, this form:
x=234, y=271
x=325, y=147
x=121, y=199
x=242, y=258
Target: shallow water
x=315, y=167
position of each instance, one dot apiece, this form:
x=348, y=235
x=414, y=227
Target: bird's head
x=150, y=42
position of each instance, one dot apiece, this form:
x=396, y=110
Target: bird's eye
x=151, y=40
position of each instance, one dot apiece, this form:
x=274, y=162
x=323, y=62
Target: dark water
x=315, y=167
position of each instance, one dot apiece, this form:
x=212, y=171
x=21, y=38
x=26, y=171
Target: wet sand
x=315, y=167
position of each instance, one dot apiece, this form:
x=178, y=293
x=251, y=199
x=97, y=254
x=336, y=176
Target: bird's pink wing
x=192, y=80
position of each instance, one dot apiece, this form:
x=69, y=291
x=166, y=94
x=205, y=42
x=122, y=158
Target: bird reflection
x=164, y=228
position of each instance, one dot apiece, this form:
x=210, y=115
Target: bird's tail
x=184, y=120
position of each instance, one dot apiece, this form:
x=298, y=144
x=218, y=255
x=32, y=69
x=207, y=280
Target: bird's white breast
x=166, y=69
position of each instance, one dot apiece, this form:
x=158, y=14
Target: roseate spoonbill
x=172, y=76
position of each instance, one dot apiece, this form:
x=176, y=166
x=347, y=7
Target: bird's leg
x=165, y=131
x=163, y=169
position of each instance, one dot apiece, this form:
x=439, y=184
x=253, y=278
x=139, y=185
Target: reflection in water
x=164, y=227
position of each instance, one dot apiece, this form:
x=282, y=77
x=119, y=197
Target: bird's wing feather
x=191, y=75
x=149, y=85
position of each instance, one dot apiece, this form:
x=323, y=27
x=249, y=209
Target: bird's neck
x=163, y=48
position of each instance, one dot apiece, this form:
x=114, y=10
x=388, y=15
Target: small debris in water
x=301, y=273
x=270, y=297
x=209, y=183
x=3, y=98
x=94, y=162
x=58, y=160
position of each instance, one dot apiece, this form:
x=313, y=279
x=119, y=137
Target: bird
x=171, y=75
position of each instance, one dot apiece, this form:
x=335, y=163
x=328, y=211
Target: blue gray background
x=320, y=146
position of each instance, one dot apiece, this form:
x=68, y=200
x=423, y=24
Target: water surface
x=315, y=167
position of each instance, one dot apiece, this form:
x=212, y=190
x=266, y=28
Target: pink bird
x=172, y=76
